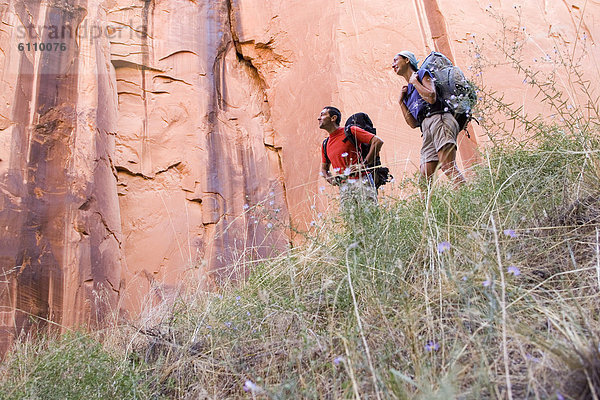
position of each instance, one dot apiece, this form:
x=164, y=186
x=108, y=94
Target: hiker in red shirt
x=345, y=159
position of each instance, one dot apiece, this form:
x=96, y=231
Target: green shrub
x=72, y=366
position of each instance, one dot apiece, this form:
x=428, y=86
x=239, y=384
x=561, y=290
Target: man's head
x=329, y=119
x=403, y=58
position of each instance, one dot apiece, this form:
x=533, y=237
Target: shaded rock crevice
x=261, y=50
x=129, y=172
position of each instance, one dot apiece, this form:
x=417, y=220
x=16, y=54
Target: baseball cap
x=411, y=58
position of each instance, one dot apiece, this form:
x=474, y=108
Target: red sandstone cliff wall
x=170, y=139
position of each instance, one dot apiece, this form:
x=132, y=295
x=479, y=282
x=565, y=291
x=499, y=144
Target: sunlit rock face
x=166, y=142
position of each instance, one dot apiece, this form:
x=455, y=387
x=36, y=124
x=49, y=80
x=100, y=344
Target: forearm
x=376, y=144
x=326, y=174
x=426, y=92
x=408, y=117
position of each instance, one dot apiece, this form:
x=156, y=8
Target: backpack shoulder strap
x=325, y=149
x=349, y=135
x=361, y=148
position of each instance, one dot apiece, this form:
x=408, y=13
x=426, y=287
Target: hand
x=403, y=94
x=414, y=79
x=353, y=169
x=332, y=181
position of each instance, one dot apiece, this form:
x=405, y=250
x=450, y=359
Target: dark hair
x=334, y=111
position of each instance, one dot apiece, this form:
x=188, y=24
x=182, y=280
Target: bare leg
x=428, y=169
x=427, y=172
x=447, y=156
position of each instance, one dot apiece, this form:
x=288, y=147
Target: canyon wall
x=165, y=141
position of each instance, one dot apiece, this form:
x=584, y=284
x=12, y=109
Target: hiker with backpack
x=341, y=151
x=423, y=107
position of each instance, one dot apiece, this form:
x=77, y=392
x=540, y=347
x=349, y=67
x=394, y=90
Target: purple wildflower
x=442, y=247
x=514, y=270
x=510, y=232
x=487, y=282
x=432, y=346
x=338, y=360
x=559, y=396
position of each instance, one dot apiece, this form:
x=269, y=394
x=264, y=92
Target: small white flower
x=246, y=206
x=347, y=171
x=251, y=387
x=269, y=225
x=344, y=154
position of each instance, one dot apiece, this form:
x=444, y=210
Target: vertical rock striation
x=201, y=187
x=176, y=141
x=60, y=243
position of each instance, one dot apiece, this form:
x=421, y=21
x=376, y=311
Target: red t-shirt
x=343, y=154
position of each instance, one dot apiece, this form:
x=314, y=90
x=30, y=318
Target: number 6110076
x=42, y=46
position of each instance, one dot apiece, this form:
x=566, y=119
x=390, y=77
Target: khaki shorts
x=438, y=131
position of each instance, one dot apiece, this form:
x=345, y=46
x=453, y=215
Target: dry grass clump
x=491, y=291
x=454, y=295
